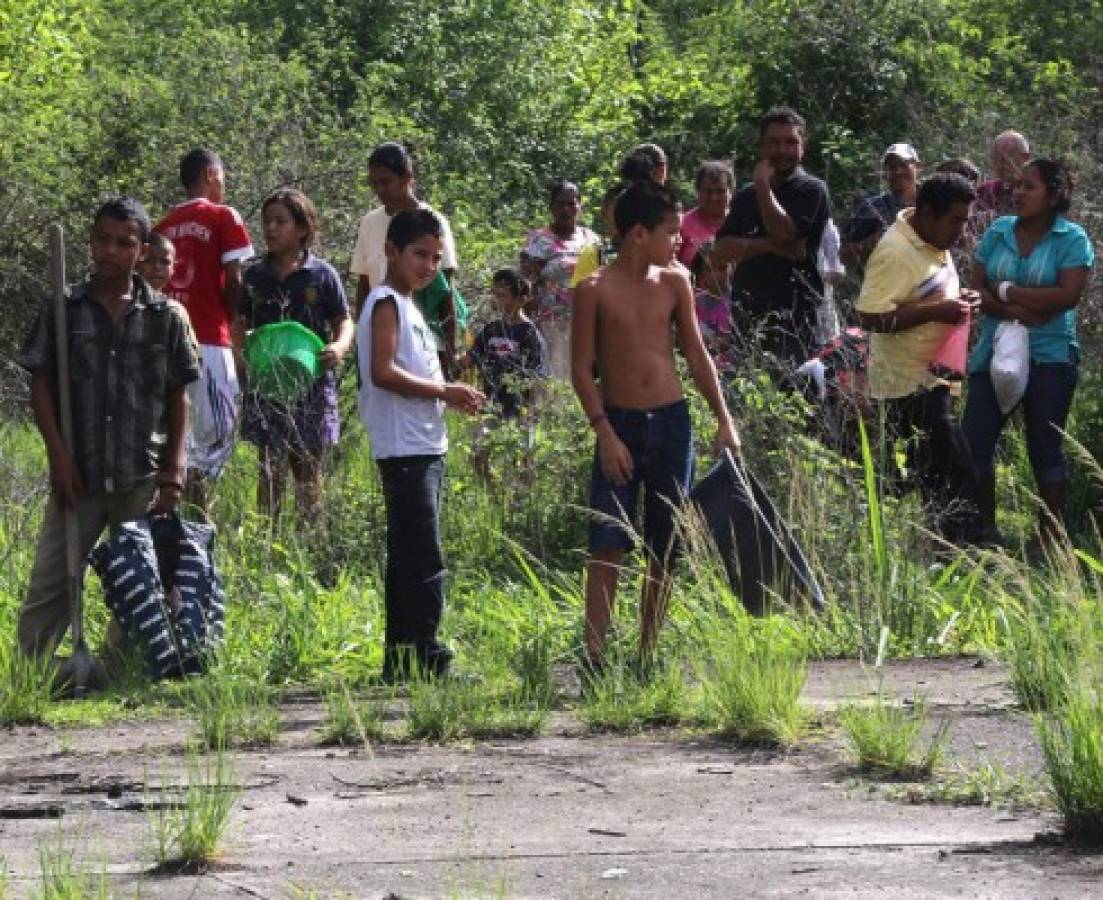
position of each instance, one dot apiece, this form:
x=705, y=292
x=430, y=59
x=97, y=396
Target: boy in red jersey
x=211, y=241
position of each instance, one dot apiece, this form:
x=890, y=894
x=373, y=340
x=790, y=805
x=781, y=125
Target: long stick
x=82, y=664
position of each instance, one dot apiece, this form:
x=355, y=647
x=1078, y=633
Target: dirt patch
x=662, y=814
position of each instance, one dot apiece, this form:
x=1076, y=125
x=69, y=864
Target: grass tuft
x=26, y=687
x=188, y=835
x=61, y=876
x=1072, y=742
x=885, y=737
x=232, y=711
x=452, y=709
x=352, y=721
x=751, y=684
x=621, y=698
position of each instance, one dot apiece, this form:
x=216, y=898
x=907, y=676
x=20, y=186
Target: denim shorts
x=1045, y=406
x=661, y=443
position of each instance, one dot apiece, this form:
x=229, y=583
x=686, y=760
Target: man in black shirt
x=773, y=234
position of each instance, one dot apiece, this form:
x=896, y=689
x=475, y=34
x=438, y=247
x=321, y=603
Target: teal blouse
x=1065, y=246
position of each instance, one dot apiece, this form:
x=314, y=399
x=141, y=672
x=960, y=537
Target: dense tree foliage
x=501, y=96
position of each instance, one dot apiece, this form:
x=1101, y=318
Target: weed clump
x=450, y=709
x=26, y=687
x=885, y=737
x=1072, y=742
x=750, y=688
x=189, y=834
x=623, y=698
x=62, y=878
x=351, y=720
x=232, y=711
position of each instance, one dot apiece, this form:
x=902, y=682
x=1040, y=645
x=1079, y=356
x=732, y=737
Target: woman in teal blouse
x=1031, y=267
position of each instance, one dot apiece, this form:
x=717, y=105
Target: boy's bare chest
x=646, y=312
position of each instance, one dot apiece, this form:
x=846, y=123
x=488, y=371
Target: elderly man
x=1010, y=152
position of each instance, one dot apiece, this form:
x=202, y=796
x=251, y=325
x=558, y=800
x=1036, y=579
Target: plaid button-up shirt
x=121, y=375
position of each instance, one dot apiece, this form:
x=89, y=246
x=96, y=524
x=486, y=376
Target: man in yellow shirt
x=910, y=299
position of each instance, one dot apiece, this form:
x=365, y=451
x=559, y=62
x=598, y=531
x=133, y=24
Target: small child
x=289, y=283
x=156, y=266
x=402, y=401
x=626, y=320
x=712, y=301
x=509, y=352
x=132, y=360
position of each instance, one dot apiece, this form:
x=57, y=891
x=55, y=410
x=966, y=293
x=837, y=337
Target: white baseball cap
x=906, y=152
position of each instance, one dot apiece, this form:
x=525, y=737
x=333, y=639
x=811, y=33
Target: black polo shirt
x=771, y=283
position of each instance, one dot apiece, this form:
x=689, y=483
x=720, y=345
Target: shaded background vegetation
x=503, y=96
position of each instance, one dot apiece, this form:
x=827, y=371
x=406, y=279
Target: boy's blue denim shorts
x=661, y=443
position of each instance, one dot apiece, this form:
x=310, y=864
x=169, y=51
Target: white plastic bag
x=1010, y=367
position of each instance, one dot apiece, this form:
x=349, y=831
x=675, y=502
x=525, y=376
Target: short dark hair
x=156, y=240
x=125, y=209
x=1057, y=178
x=301, y=208
x=716, y=170
x=940, y=191
x=560, y=187
x=644, y=203
x=642, y=162
x=194, y=164
x=513, y=281
x=782, y=115
x=966, y=168
x=411, y=225
x=394, y=156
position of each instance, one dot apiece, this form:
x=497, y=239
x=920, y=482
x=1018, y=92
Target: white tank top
x=398, y=425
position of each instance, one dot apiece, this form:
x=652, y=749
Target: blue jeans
x=661, y=443
x=1045, y=408
x=414, y=581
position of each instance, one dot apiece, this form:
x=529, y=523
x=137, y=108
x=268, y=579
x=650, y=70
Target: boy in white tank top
x=402, y=401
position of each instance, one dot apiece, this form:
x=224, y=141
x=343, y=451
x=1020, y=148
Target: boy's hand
x=65, y=479
x=615, y=458
x=167, y=499
x=463, y=397
x=332, y=355
x=728, y=436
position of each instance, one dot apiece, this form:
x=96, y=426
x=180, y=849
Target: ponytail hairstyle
x=1057, y=178
x=514, y=282
x=642, y=162
x=395, y=157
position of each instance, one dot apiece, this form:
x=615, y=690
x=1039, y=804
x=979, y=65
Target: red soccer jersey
x=206, y=236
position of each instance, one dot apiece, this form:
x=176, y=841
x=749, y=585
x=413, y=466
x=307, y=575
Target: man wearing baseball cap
x=873, y=215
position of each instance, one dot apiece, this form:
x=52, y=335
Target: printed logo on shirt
x=502, y=346
x=310, y=296
x=188, y=229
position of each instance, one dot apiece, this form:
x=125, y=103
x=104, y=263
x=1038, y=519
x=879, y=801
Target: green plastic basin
x=283, y=360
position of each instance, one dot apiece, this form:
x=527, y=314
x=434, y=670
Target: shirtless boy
x=626, y=319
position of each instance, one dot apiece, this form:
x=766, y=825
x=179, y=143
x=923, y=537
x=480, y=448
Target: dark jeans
x=661, y=443
x=1045, y=406
x=414, y=584
x=938, y=455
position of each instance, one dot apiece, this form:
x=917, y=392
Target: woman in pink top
x=715, y=188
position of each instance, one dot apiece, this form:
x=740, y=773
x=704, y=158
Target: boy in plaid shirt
x=131, y=358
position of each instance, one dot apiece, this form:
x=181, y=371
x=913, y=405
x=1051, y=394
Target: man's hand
x=463, y=397
x=728, y=436
x=949, y=312
x=795, y=249
x=615, y=458
x=763, y=173
x=65, y=479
